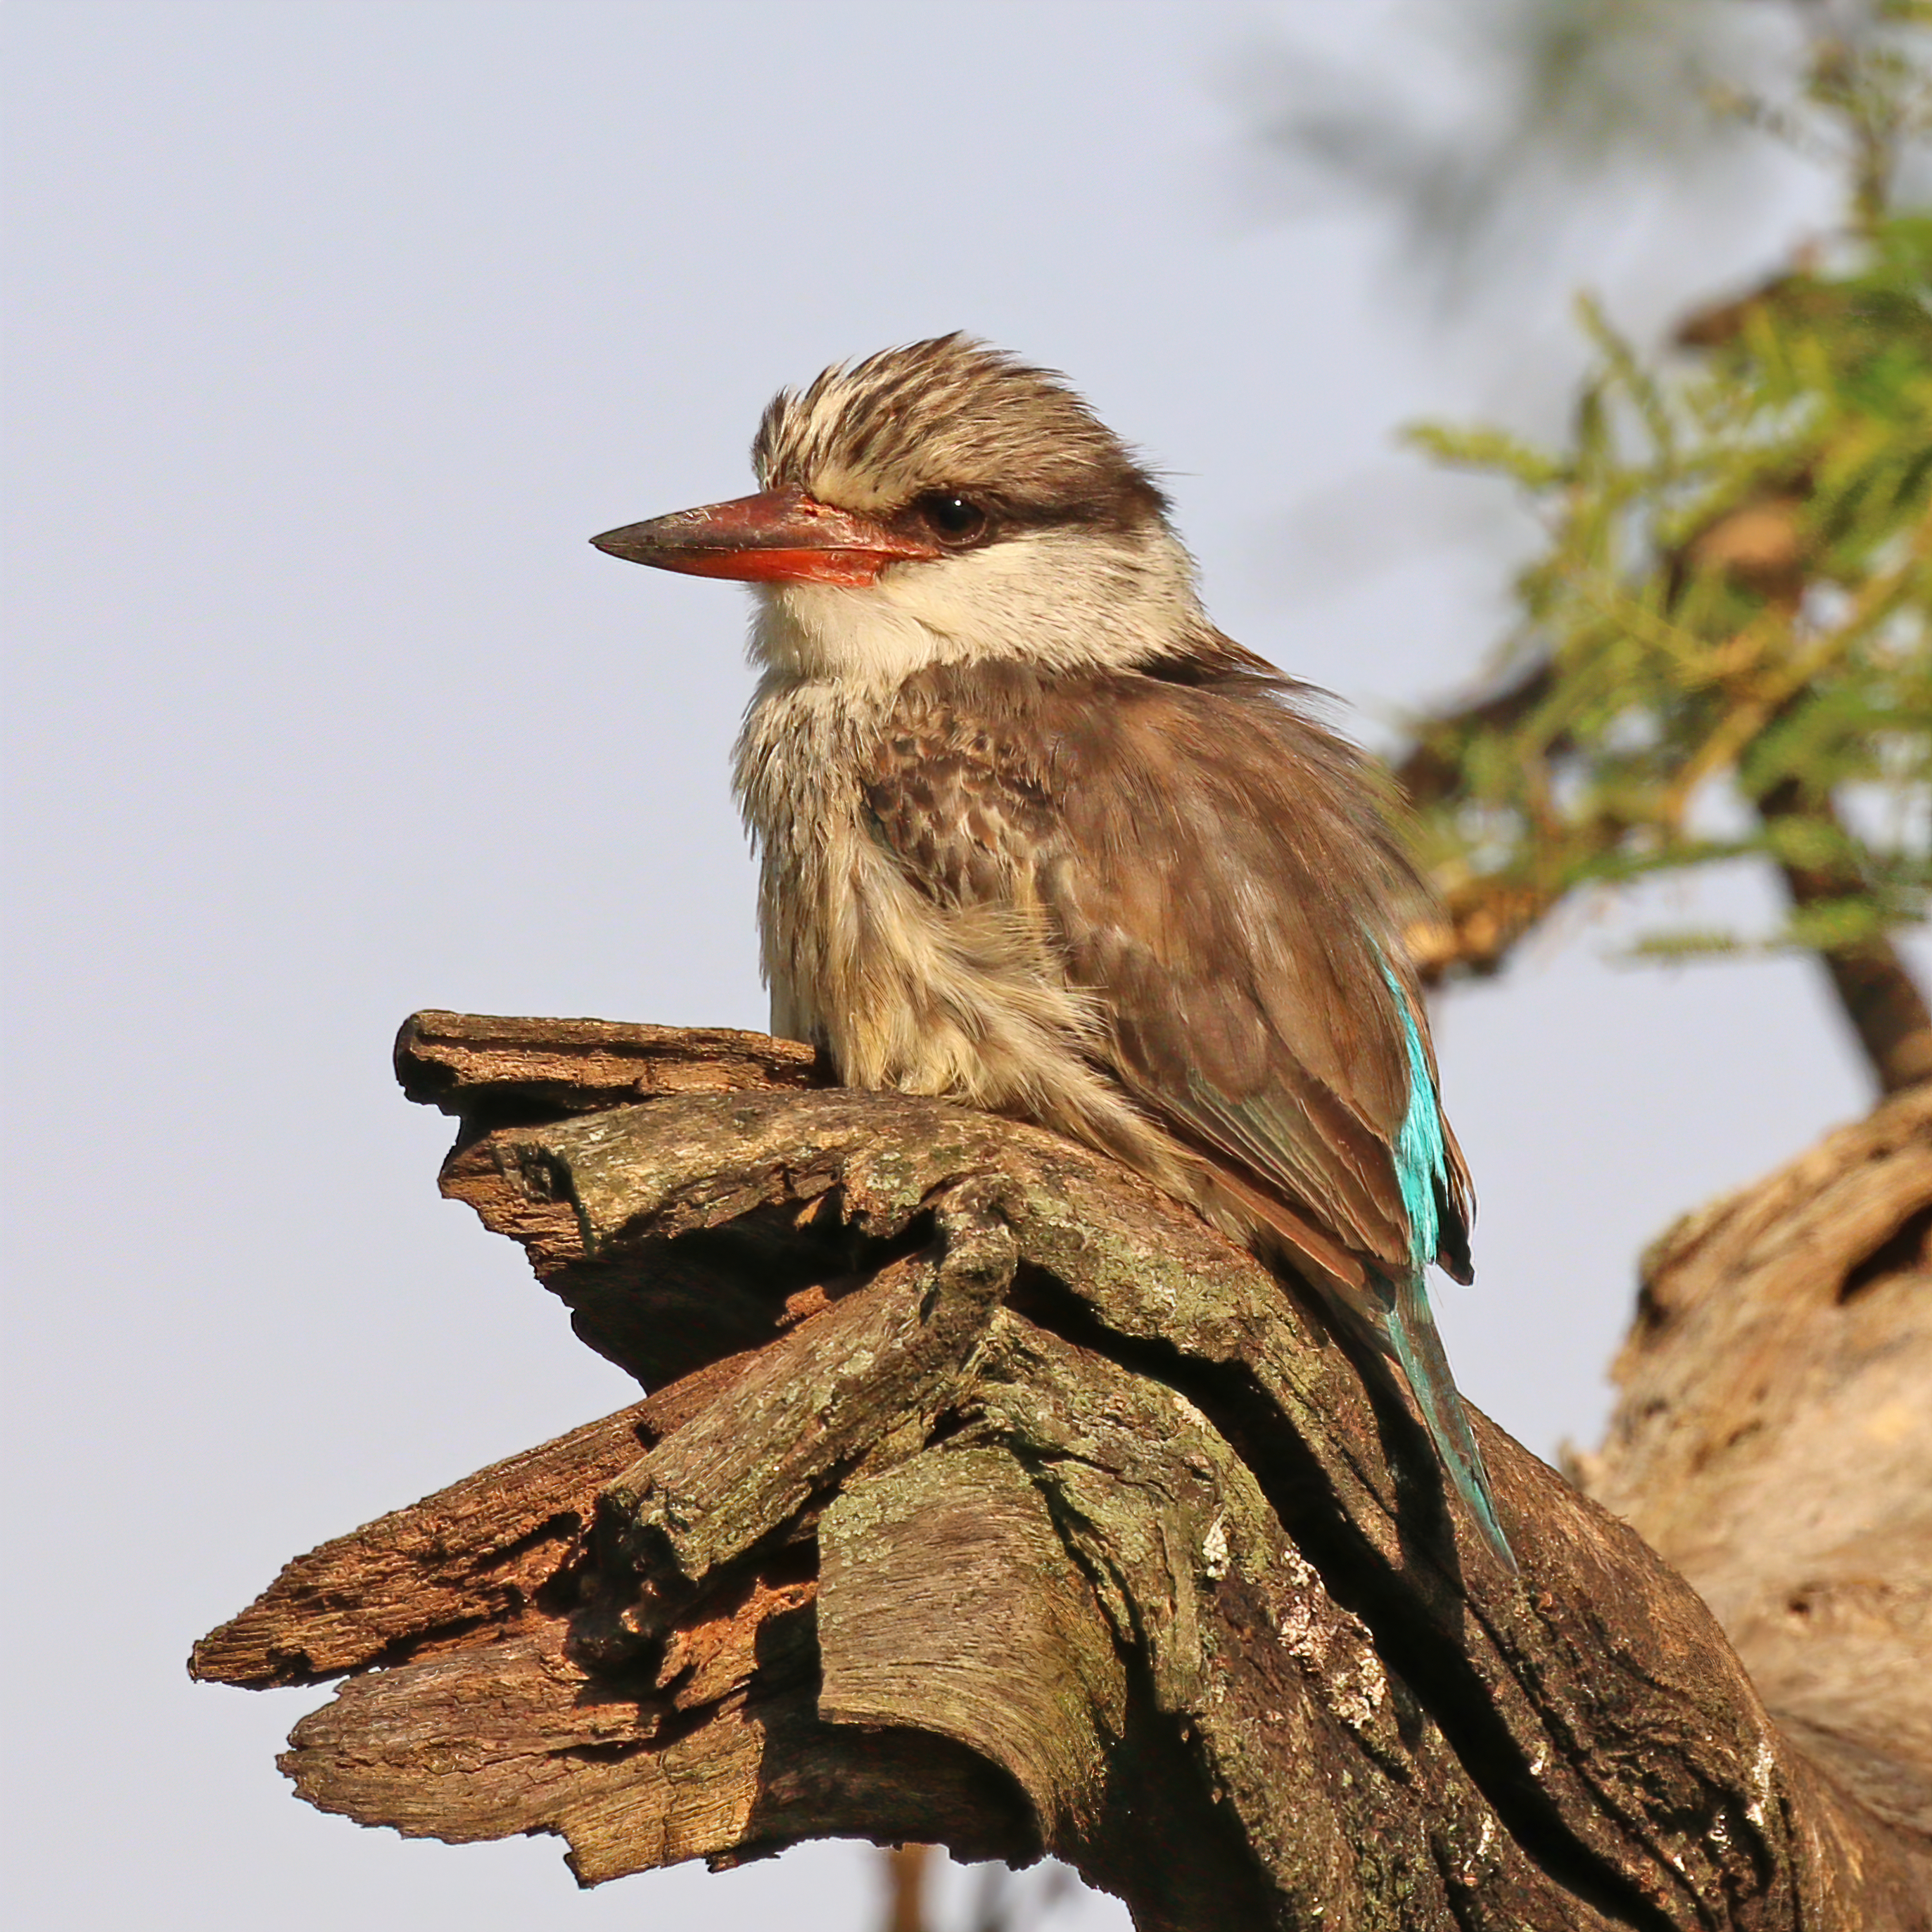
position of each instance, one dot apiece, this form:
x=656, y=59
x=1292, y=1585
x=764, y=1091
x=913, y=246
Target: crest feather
x=952, y=413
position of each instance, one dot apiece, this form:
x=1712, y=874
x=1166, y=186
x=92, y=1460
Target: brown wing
x=1216, y=871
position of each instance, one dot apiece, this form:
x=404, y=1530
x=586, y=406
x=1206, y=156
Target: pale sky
x=336, y=329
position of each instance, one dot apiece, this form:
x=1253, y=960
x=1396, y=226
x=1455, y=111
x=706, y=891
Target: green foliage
x=1723, y=647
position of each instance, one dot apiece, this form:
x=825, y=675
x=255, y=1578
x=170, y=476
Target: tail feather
x=1418, y=1348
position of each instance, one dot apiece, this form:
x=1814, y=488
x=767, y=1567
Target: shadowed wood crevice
x=990, y=1498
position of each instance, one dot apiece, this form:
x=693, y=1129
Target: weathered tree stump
x=984, y=1496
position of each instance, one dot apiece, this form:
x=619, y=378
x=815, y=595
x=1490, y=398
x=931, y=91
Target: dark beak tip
x=615, y=543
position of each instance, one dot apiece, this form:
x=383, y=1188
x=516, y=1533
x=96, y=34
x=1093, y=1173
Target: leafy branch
x=1728, y=624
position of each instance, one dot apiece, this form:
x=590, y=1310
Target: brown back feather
x=1217, y=871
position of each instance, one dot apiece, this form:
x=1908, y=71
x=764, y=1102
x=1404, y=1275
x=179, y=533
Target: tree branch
x=988, y=1498
x=1875, y=990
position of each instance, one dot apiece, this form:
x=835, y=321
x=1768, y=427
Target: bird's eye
x=956, y=518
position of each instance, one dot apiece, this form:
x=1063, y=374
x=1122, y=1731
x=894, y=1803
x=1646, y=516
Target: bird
x=1035, y=836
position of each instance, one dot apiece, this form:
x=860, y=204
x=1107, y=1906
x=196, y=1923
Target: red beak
x=782, y=536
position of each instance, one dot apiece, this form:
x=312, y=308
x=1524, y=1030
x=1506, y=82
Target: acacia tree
x=1722, y=650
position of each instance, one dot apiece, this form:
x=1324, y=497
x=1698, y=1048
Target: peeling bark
x=986, y=1497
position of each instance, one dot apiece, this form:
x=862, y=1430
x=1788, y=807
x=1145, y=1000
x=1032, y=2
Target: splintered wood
x=985, y=1497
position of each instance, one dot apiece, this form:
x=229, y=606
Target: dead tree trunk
x=986, y=1497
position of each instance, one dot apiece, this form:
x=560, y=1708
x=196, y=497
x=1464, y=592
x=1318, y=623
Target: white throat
x=1064, y=599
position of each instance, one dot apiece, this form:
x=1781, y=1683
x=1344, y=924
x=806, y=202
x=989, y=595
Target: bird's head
x=940, y=502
